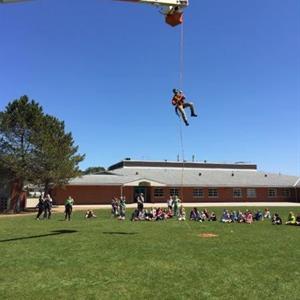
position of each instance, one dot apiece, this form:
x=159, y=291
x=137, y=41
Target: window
x=174, y=192
x=212, y=193
x=237, y=193
x=251, y=193
x=159, y=192
x=198, y=193
x=272, y=193
x=286, y=193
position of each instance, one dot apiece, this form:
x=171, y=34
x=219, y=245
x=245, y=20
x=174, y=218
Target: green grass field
x=104, y=258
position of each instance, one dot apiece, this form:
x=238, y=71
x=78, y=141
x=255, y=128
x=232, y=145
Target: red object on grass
x=174, y=19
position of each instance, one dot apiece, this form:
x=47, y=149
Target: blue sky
x=108, y=69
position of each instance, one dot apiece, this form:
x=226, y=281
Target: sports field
x=104, y=258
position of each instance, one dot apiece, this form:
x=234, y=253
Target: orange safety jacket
x=178, y=100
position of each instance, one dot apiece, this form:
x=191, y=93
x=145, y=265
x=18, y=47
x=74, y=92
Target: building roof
x=297, y=183
x=128, y=163
x=211, y=178
x=197, y=177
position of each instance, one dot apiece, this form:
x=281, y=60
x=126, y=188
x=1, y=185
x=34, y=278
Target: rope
x=181, y=71
x=182, y=155
x=181, y=57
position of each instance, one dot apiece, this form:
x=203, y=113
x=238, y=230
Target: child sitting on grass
x=233, y=216
x=181, y=216
x=195, y=215
x=160, y=215
x=258, y=216
x=276, y=220
x=241, y=217
x=249, y=217
x=291, y=219
x=212, y=217
x=226, y=217
x=90, y=214
x=267, y=214
x=298, y=220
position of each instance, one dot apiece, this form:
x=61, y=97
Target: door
x=142, y=189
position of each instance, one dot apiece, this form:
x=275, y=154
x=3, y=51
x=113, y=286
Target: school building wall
x=85, y=195
x=225, y=194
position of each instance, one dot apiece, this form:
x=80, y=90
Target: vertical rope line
x=182, y=155
x=181, y=71
x=181, y=57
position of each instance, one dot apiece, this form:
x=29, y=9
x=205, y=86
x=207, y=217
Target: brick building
x=4, y=190
x=191, y=181
x=11, y=199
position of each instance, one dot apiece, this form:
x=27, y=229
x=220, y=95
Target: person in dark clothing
x=276, y=220
x=195, y=215
x=212, y=217
x=68, y=208
x=135, y=215
x=41, y=207
x=298, y=220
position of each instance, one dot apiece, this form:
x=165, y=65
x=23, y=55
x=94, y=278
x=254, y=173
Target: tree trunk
x=46, y=188
x=17, y=200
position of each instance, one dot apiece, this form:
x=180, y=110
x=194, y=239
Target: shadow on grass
x=119, y=232
x=54, y=232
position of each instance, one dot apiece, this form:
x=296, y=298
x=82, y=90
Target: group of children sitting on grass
x=245, y=217
x=158, y=214
x=292, y=219
x=248, y=217
x=176, y=210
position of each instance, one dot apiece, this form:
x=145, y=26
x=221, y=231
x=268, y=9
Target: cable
x=181, y=71
x=181, y=57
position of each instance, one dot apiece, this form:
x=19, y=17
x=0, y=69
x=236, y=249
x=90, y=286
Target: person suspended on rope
x=178, y=101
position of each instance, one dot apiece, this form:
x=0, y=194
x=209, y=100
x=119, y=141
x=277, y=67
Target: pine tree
x=18, y=122
x=55, y=154
x=34, y=147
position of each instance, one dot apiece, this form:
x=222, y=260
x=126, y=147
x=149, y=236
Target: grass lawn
x=104, y=258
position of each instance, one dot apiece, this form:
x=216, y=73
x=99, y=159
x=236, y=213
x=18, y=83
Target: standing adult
x=69, y=208
x=122, y=207
x=40, y=206
x=48, y=207
x=176, y=204
x=114, y=207
x=140, y=202
x=170, y=203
